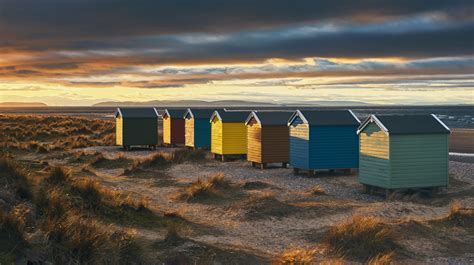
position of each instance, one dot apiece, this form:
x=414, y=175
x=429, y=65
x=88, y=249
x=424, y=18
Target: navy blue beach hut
x=197, y=128
x=323, y=140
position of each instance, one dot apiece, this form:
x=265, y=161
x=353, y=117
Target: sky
x=81, y=52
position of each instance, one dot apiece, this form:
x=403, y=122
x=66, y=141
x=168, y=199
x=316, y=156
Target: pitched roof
x=199, y=113
x=174, y=113
x=270, y=117
x=407, y=124
x=137, y=112
x=326, y=117
x=231, y=116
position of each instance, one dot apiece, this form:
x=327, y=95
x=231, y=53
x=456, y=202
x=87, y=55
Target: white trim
x=167, y=114
x=118, y=112
x=373, y=118
x=380, y=124
x=188, y=110
x=254, y=115
x=215, y=114
x=355, y=117
x=442, y=123
x=364, y=124
x=156, y=112
x=299, y=114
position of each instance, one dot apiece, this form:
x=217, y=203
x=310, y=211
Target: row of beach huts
x=389, y=152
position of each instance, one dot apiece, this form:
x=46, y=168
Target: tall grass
x=205, y=189
x=75, y=239
x=361, y=237
x=297, y=256
x=460, y=215
x=13, y=177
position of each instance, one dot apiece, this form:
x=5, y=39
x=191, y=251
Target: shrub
x=361, y=237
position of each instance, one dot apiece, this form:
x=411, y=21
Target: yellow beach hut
x=229, y=134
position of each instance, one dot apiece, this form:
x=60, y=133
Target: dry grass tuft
x=12, y=177
x=100, y=161
x=297, y=256
x=459, y=215
x=11, y=228
x=382, y=259
x=265, y=205
x=316, y=190
x=361, y=237
x=205, y=189
x=58, y=175
x=77, y=239
x=183, y=155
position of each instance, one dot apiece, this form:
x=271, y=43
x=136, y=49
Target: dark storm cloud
x=56, y=19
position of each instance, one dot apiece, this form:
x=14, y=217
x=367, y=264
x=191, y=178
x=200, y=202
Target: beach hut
x=323, y=139
x=136, y=126
x=197, y=128
x=228, y=133
x=173, y=126
x=268, y=138
x=403, y=151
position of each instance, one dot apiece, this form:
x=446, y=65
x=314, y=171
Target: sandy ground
x=226, y=225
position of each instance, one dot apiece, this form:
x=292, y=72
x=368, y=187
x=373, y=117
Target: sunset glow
x=406, y=54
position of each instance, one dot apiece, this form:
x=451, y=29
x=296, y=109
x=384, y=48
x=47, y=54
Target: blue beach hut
x=197, y=129
x=323, y=140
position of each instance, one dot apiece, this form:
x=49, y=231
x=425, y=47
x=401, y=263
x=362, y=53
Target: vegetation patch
x=100, y=161
x=262, y=206
x=255, y=185
x=361, y=237
x=460, y=216
x=13, y=177
x=60, y=193
x=215, y=187
x=317, y=190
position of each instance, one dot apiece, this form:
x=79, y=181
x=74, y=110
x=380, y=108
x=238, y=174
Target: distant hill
x=224, y=103
x=22, y=104
x=180, y=103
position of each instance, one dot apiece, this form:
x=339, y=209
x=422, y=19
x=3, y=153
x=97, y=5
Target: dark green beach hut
x=136, y=127
x=403, y=151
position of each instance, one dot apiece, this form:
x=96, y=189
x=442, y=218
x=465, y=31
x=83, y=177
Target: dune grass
x=13, y=177
x=200, y=190
x=43, y=134
x=74, y=238
x=296, y=256
x=361, y=237
x=266, y=205
x=317, y=190
x=61, y=193
x=460, y=215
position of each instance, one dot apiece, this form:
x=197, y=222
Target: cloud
x=56, y=19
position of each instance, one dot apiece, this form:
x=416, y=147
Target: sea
x=452, y=116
